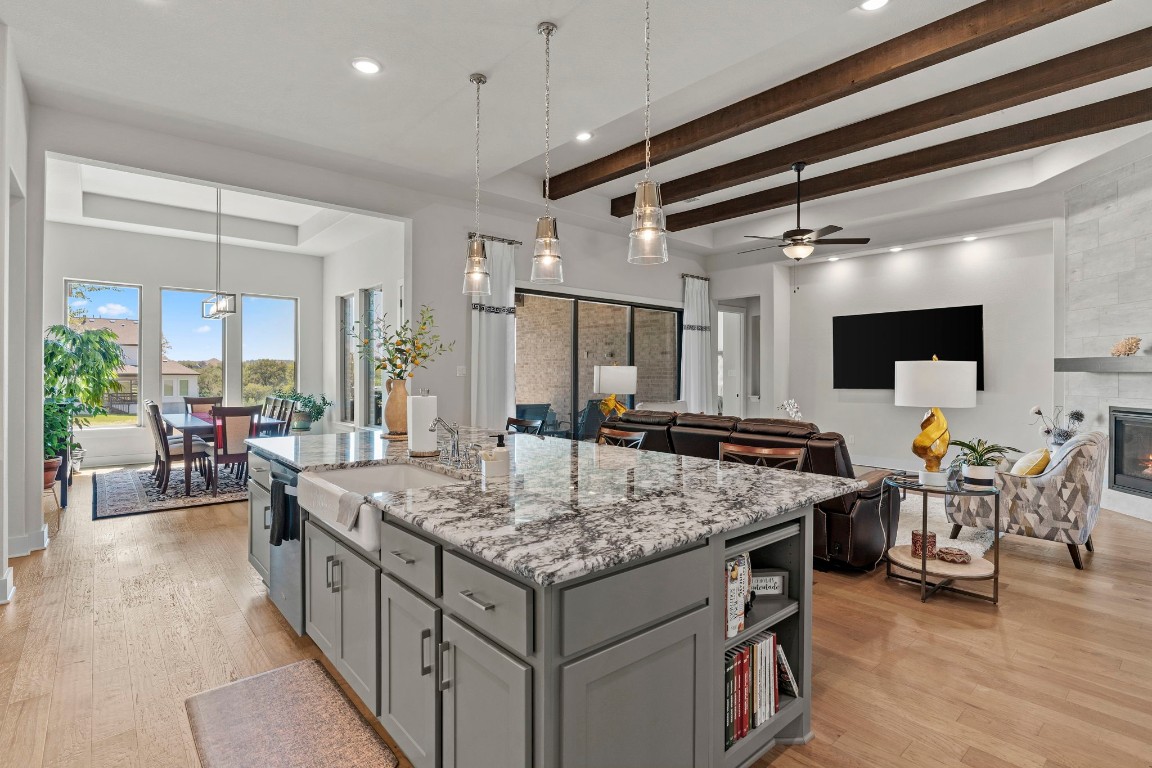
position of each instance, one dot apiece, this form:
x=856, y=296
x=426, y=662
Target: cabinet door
x=642, y=701
x=357, y=584
x=409, y=634
x=259, y=513
x=320, y=601
x=486, y=701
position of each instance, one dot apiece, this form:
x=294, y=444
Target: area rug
x=974, y=541
x=294, y=716
x=133, y=492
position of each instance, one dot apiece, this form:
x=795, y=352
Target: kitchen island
x=570, y=614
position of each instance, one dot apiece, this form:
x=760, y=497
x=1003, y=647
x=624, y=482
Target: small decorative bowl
x=953, y=555
x=919, y=541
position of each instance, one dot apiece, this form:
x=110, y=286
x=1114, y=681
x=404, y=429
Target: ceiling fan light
x=647, y=242
x=798, y=251
x=547, y=266
x=477, y=281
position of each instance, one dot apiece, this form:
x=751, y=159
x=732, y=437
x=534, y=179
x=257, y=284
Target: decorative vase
x=301, y=422
x=396, y=408
x=985, y=476
x=51, y=468
x=918, y=542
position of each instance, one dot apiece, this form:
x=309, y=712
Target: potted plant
x=397, y=353
x=978, y=459
x=58, y=415
x=309, y=408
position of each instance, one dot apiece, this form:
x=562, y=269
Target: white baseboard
x=7, y=588
x=19, y=546
x=126, y=460
x=1127, y=504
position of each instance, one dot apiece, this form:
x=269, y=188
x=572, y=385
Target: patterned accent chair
x=1061, y=504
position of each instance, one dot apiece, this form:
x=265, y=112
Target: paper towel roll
x=421, y=413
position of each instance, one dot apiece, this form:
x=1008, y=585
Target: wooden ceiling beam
x=968, y=30
x=1102, y=116
x=1101, y=62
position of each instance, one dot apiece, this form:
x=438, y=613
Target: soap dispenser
x=494, y=462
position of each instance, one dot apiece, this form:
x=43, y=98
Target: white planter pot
x=979, y=475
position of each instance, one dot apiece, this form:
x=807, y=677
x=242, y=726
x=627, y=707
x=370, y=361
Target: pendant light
x=546, y=264
x=219, y=305
x=477, y=282
x=647, y=243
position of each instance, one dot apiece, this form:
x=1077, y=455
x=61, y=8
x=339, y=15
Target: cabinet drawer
x=611, y=607
x=259, y=470
x=496, y=606
x=413, y=559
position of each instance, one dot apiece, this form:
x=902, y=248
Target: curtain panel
x=697, y=366
x=494, y=342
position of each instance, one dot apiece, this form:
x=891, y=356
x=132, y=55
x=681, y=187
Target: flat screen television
x=865, y=348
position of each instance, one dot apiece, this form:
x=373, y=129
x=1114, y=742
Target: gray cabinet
x=259, y=522
x=342, y=611
x=320, y=617
x=643, y=701
x=409, y=699
x=486, y=702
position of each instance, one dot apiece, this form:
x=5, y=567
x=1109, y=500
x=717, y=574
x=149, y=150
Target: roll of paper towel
x=421, y=413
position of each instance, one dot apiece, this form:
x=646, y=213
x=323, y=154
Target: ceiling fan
x=800, y=243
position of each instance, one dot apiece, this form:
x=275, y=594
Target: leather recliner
x=699, y=434
x=654, y=425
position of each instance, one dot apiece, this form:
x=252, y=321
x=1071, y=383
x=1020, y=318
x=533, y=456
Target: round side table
x=945, y=574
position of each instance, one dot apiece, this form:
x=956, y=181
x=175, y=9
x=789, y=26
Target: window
x=374, y=311
x=560, y=340
x=268, y=346
x=116, y=308
x=192, y=349
x=348, y=367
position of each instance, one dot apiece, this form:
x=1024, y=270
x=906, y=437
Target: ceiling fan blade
x=761, y=237
x=753, y=250
x=796, y=234
x=828, y=230
x=844, y=241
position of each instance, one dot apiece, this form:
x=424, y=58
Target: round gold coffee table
x=944, y=573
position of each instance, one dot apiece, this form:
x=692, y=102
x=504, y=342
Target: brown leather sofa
x=853, y=530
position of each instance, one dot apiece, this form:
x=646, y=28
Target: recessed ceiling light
x=897, y=249
x=970, y=238
x=873, y=5
x=584, y=136
x=366, y=65
x=833, y=258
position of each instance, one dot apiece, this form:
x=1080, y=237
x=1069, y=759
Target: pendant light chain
x=478, y=81
x=547, y=122
x=647, y=87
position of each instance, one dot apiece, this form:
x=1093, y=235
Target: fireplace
x=1130, y=460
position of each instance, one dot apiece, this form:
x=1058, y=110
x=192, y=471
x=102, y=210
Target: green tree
x=260, y=378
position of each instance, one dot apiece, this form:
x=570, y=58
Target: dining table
x=201, y=425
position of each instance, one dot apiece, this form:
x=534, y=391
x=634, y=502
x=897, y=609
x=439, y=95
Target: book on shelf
x=729, y=698
x=787, y=680
x=737, y=577
x=755, y=672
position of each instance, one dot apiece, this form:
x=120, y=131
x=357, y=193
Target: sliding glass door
x=544, y=360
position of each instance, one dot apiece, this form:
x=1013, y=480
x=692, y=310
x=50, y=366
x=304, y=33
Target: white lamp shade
x=614, y=379
x=936, y=383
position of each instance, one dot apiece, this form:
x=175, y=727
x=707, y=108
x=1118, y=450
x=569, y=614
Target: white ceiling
x=280, y=68
x=112, y=198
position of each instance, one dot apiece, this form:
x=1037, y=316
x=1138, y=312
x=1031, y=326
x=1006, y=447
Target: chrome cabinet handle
x=336, y=585
x=425, y=669
x=444, y=682
x=267, y=517
x=403, y=558
x=481, y=604
x=328, y=570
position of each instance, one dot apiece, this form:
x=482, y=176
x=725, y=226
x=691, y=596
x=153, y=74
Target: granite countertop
x=569, y=508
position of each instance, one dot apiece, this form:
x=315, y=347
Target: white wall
x=1010, y=275
x=595, y=263
x=153, y=262
x=377, y=260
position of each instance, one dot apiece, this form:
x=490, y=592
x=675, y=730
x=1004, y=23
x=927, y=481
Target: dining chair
x=201, y=405
x=234, y=425
x=527, y=426
x=287, y=410
x=169, y=450
x=620, y=437
x=776, y=458
x=271, y=405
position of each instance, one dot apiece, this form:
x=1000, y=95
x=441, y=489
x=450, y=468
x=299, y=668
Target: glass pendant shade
x=798, y=251
x=647, y=243
x=477, y=281
x=546, y=264
x=219, y=305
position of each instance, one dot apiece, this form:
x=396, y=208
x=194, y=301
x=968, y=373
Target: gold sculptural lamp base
x=931, y=445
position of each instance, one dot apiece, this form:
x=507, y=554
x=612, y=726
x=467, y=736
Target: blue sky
x=268, y=324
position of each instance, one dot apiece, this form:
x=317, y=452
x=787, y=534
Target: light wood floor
x=120, y=620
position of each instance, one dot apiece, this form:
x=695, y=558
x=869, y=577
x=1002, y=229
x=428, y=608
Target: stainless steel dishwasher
x=286, y=562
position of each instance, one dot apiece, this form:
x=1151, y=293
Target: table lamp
x=613, y=380
x=935, y=384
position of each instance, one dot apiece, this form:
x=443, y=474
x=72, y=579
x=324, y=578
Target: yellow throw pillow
x=1032, y=463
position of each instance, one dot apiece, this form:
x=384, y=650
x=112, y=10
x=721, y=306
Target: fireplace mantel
x=1130, y=364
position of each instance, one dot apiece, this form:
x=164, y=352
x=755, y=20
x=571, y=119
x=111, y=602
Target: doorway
x=730, y=394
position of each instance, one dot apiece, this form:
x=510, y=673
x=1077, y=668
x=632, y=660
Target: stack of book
x=756, y=673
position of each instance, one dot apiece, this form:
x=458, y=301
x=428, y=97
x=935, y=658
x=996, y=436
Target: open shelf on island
x=753, y=744
x=766, y=612
x=759, y=539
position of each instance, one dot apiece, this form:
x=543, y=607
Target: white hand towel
x=349, y=510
